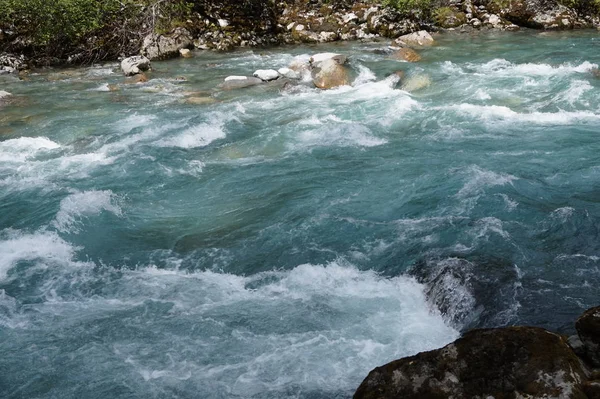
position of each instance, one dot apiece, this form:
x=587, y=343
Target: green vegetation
x=449, y=17
x=410, y=6
x=89, y=29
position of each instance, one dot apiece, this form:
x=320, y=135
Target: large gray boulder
x=160, y=47
x=513, y=362
x=134, y=65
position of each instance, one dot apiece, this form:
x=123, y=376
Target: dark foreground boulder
x=513, y=362
x=588, y=329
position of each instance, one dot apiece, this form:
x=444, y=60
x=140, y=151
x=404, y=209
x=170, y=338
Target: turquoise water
x=281, y=243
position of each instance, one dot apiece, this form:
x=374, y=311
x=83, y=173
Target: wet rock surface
x=513, y=362
x=588, y=329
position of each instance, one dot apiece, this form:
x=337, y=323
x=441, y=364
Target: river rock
x=317, y=59
x=406, y=54
x=137, y=78
x=10, y=63
x=200, y=100
x=588, y=329
x=239, y=82
x=289, y=73
x=450, y=17
x=417, y=39
x=329, y=74
x=160, y=47
x=266, y=75
x=185, y=53
x=513, y=362
x=134, y=65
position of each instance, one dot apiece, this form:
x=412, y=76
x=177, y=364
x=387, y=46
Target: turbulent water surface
x=282, y=243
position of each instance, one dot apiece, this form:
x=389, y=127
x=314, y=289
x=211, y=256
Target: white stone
x=230, y=78
x=325, y=37
x=223, y=23
x=266, y=75
x=134, y=65
x=300, y=27
x=288, y=73
x=290, y=26
x=349, y=17
x=494, y=19
x=4, y=94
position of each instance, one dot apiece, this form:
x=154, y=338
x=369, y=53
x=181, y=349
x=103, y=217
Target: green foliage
x=89, y=29
x=44, y=21
x=407, y=6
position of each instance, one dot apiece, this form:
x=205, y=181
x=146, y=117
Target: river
x=282, y=243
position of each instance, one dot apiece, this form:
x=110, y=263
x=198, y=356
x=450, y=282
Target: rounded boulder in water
x=330, y=74
x=134, y=65
x=535, y=362
x=266, y=75
x=406, y=54
x=416, y=39
x=239, y=82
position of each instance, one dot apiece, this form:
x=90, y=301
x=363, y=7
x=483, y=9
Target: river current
x=281, y=243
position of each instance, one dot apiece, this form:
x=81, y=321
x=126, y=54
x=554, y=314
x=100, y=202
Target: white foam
x=494, y=113
x=47, y=248
x=575, y=92
x=333, y=324
x=23, y=148
x=478, y=179
x=196, y=136
x=339, y=135
x=365, y=75
x=506, y=68
x=84, y=204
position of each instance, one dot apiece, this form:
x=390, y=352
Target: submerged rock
x=588, y=329
x=266, y=75
x=137, y=78
x=239, y=82
x=329, y=74
x=416, y=82
x=419, y=39
x=134, y=65
x=406, y=54
x=160, y=47
x=513, y=362
x=200, y=100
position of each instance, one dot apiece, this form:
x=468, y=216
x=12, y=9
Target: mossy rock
x=449, y=17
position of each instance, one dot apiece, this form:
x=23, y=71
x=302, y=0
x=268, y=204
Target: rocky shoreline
x=511, y=362
x=226, y=27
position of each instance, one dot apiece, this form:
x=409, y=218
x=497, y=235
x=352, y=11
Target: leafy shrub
x=91, y=29
x=408, y=6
